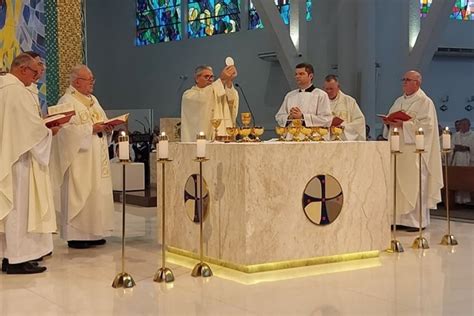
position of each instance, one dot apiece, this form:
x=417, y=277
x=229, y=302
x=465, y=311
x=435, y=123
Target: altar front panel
x=256, y=214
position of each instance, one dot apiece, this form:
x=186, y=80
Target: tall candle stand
x=395, y=245
x=123, y=279
x=448, y=239
x=420, y=241
x=163, y=274
x=201, y=268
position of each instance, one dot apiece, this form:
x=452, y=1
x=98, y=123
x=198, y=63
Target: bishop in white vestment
x=345, y=110
x=421, y=109
x=82, y=170
x=307, y=103
x=209, y=99
x=27, y=216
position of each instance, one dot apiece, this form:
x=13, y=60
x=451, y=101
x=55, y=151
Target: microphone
x=245, y=99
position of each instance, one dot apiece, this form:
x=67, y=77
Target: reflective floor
x=437, y=281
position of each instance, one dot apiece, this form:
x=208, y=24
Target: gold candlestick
x=395, y=245
x=163, y=274
x=201, y=268
x=448, y=239
x=420, y=241
x=123, y=279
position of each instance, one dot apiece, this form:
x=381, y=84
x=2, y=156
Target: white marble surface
x=256, y=213
x=438, y=281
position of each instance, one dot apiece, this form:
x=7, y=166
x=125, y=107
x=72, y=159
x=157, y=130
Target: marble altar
x=256, y=214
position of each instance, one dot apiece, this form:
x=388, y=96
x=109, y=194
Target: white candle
x=420, y=139
x=163, y=146
x=124, y=148
x=446, y=138
x=201, y=145
x=395, y=140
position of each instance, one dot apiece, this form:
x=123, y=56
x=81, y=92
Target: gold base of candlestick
x=164, y=275
x=395, y=246
x=201, y=159
x=123, y=279
x=420, y=243
x=449, y=240
x=201, y=269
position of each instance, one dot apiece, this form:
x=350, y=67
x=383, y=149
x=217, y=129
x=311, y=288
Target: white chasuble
x=200, y=105
x=423, y=114
x=82, y=171
x=346, y=108
x=314, y=105
x=27, y=215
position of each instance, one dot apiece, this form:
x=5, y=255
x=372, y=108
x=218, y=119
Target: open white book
x=118, y=120
x=57, y=119
x=62, y=108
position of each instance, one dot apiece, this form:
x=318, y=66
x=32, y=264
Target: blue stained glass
x=158, y=21
x=211, y=17
x=462, y=10
x=283, y=7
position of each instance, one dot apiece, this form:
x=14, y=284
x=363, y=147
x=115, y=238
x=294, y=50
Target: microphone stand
x=245, y=99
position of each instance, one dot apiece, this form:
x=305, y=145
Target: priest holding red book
x=414, y=110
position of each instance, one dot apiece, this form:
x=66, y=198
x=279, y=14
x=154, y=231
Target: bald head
x=411, y=82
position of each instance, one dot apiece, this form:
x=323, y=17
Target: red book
x=116, y=121
x=56, y=120
x=336, y=121
x=396, y=116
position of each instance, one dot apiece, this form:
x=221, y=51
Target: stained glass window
x=284, y=9
x=158, y=21
x=210, y=17
x=462, y=10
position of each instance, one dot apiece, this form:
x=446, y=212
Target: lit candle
x=446, y=138
x=201, y=145
x=420, y=139
x=124, y=148
x=395, y=140
x=163, y=146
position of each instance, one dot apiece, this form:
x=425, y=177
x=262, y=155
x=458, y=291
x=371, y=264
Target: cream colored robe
x=314, y=105
x=82, y=171
x=27, y=215
x=423, y=113
x=200, y=105
x=346, y=108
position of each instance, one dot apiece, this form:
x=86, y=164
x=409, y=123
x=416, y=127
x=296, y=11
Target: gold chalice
x=280, y=131
x=246, y=118
x=323, y=132
x=315, y=134
x=258, y=131
x=232, y=132
x=245, y=132
x=337, y=132
x=294, y=132
x=306, y=131
x=215, y=123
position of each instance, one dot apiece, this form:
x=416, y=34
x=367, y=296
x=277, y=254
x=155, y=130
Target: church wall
x=149, y=77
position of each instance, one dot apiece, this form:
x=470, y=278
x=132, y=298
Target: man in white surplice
x=420, y=108
x=345, y=109
x=82, y=170
x=463, y=154
x=27, y=216
x=209, y=99
x=307, y=102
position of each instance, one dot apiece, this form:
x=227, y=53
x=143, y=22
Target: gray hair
x=201, y=68
x=75, y=72
x=21, y=60
x=417, y=75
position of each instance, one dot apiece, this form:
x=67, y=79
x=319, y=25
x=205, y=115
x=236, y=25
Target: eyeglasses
x=408, y=80
x=35, y=72
x=87, y=79
x=207, y=77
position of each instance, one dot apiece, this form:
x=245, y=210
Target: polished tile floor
x=437, y=281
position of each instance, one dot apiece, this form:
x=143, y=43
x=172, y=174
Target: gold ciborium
x=232, y=132
x=323, y=131
x=215, y=123
x=246, y=118
x=315, y=134
x=295, y=129
x=257, y=131
x=337, y=132
x=245, y=132
x=281, y=131
x=306, y=131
